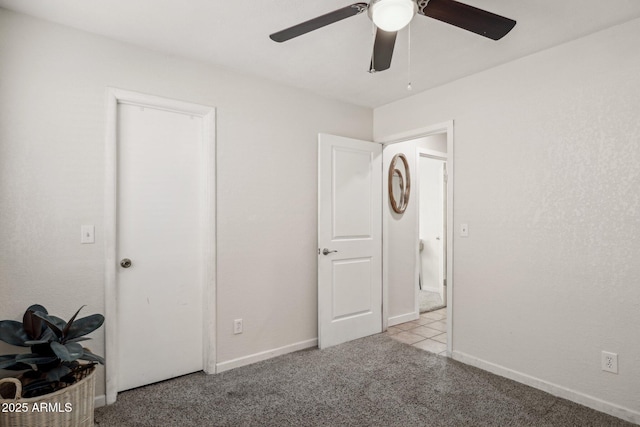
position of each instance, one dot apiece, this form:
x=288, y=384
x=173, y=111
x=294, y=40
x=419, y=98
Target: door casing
x=118, y=96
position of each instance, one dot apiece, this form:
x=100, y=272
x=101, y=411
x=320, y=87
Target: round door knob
x=125, y=263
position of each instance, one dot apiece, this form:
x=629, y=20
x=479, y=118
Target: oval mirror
x=399, y=183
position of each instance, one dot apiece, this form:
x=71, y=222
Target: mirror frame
x=399, y=206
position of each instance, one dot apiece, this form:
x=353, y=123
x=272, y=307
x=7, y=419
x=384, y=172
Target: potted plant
x=52, y=386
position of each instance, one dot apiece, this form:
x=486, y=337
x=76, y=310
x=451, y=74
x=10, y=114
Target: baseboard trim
x=403, y=318
x=100, y=401
x=264, y=355
x=551, y=388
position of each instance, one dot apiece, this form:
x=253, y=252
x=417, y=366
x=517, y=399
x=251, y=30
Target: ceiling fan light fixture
x=392, y=15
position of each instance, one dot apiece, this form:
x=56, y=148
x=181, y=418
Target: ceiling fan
x=390, y=16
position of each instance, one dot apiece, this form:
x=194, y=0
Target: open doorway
x=431, y=171
x=353, y=163
x=402, y=258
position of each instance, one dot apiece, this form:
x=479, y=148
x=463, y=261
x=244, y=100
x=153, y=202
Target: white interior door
x=159, y=205
x=432, y=220
x=349, y=239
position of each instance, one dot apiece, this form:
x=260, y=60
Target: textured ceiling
x=333, y=60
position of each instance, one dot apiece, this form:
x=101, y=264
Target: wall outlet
x=237, y=326
x=610, y=362
x=87, y=234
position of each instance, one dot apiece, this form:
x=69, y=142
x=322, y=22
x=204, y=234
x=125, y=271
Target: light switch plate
x=87, y=234
x=464, y=230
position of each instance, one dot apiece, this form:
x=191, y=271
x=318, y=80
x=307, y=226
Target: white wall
x=52, y=132
x=547, y=177
x=400, y=241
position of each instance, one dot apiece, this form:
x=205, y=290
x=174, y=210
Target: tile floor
x=429, y=332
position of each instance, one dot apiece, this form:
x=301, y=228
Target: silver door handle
x=125, y=263
x=326, y=251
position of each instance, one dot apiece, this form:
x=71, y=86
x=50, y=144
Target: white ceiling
x=333, y=60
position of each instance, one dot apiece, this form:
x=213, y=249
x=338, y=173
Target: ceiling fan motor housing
x=392, y=15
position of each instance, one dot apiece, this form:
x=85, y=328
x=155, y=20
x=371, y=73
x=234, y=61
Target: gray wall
x=52, y=166
x=547, y=155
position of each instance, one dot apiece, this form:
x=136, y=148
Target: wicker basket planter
x=70, y=407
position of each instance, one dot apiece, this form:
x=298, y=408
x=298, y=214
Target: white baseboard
x=264, y=355
x=100, y=401
x=403, y=318
x=554, y=389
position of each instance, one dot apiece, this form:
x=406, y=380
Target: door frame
x=208, y=214
x=446, y=127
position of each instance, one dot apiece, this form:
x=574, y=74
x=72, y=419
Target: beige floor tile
x=431, y=345
x=442, y=311
x=440, y=325
x=393, y=330
x=432, y=315
x=440, y=338
x=407, y=337
x=404, y=326
x=421, y=321
x=427, y=321
x=425, y=331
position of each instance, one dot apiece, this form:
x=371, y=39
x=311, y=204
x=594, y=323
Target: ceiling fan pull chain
x=373, y=53
x=409, y=56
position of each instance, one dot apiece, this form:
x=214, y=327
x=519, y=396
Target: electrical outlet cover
x=610, y=362
x=237, y=326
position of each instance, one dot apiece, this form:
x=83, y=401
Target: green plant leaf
x=79, y=339
x=34, y=358
x=65, y=331
x=37, y=307
x=67, y=352
x=13, y=333
x=18, y=367
x=60, y=323
x=45, y=338
x=36, y=342
x=84, y=326
x=52, y=322
x=56, y=373
x=31, y=323
x=7, y=361
x=88, y=355
x=48, y=335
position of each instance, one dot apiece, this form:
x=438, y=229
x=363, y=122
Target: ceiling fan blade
x=319, y=22
x=382, y=50
x=467, y=17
